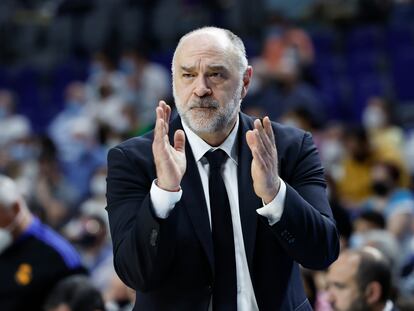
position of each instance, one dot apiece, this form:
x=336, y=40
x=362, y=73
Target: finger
x=253, y=141
x=166, y=110
x=267, y=136
x=268, y=128
x=260, y=145
x=159, y=128
x=167, y=116
x=179, y=140
x=250, y=139
x=267, y=144
x=260, y=162
x=159, y=112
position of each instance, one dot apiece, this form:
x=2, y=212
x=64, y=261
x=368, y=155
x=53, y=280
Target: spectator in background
x=354, y=184
x=53, y=196
x=108, y=108
x=75, y=107
x=360, y=280
x=332, y=149
x=118, y=296
x=18, y=152
x=368, y=220
x=279, y=87
x=341, y=215
x=386, y=138
x=104, y=70
x=287, y=51
x=33, y=258
x=392, y=201
x=75, y=293
x=388, y=198
x=385, y=242
x=146, y=83
x=89, y=232
x=11, y=124
x=87, y=156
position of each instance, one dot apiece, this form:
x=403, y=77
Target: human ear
x=247, y=76
x=373, y=293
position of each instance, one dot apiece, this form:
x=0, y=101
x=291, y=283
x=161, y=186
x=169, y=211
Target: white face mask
x=6, y=239
x=98, y=185
x=373, y=118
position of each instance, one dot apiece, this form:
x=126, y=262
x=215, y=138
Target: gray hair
x=9, y=193
x=236, y=42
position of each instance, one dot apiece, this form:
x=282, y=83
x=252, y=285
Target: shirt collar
x=389, y=306
x=200, y=147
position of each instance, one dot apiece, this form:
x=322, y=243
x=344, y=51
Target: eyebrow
x=210, y=67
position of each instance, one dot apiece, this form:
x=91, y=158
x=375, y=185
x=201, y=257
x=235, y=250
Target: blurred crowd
x=368, y=159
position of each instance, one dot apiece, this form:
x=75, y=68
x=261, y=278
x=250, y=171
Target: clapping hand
x=264, y=170
x=170, y=161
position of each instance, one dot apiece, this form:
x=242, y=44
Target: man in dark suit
x=360, y=280
x=216, y=210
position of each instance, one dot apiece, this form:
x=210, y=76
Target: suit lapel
x=193, y=198
x=248, y=200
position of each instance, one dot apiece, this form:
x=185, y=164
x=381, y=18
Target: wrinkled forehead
x=213, y=47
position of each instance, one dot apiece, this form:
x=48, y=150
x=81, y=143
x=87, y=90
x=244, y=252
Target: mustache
x=204, y=103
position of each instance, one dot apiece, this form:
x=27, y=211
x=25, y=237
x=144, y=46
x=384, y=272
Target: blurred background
x=79, y=76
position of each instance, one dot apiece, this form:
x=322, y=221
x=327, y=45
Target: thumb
x=179, y=140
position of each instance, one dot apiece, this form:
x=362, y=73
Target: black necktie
x=225, y=280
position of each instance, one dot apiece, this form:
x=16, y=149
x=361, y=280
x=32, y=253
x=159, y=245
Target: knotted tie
x=225, y=280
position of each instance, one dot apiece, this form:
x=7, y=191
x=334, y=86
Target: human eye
x=216, y=76
x=187, y=75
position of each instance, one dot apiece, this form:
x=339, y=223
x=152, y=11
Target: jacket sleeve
x=143, y=244
x=307, y=230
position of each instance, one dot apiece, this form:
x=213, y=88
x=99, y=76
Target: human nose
x=202, y=88
x=330, y=297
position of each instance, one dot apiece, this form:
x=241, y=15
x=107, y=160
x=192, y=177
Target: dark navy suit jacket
x=170, y=262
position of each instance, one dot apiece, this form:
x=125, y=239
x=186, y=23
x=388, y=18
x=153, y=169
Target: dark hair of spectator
x=393, y=170
x=373, y=217
x=357, y=132
x=372, y=269
x=77, y=293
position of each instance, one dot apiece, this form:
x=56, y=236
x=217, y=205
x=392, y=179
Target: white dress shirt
x=164, y=201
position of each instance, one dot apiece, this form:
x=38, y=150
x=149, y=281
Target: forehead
x=345, y=268
x=209, y=48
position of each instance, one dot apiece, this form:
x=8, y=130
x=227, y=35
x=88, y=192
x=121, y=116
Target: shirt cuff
x=163, y=201
x=274, y=210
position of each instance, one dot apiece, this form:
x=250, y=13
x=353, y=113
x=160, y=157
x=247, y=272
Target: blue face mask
x=21, y=152
x=356, y=240
x=96, y=68
x=127, y=66
x=73, y=106
x=78, y=150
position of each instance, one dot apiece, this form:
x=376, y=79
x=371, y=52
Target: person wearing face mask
x=354, y=181
x=75, y=107
x=388, y=196
x=394, y=202
x=33, y=258
x=387, y=138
